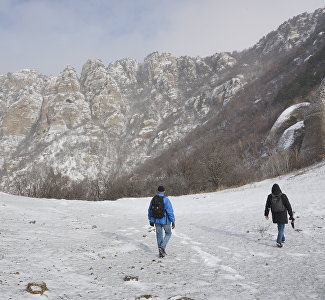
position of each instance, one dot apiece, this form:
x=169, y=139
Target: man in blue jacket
x=162, y=203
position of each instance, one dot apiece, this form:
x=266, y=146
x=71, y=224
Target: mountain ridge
x=110, y=120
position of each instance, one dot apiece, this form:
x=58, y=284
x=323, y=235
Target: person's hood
x=276, y=191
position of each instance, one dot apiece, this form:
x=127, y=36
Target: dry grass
x=262, y=230
x=36, y=288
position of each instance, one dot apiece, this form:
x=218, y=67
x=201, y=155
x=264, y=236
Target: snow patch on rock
x=226, y=91
x=286, y=114
x=290, y=136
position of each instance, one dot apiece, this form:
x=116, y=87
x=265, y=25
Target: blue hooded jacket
x=168, y=214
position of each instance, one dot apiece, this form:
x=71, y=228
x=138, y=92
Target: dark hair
x=161, y=188
x=276, y=189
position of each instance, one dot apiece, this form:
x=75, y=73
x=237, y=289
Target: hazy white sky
x=47, y=35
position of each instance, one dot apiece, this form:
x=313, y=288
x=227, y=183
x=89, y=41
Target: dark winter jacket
x=282, y=216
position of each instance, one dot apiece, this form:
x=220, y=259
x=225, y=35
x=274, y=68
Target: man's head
x=276, y=189
x=161, y=189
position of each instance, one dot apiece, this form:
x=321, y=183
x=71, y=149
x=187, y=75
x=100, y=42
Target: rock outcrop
x=289, y=117
x=314, y=141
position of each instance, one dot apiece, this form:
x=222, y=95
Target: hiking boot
x=279, y=245
x=162, y=252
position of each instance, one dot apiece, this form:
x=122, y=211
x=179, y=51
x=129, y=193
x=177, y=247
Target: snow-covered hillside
x=222, y=248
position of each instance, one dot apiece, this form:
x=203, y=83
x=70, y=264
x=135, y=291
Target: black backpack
x=157, y=207
x=277, y=204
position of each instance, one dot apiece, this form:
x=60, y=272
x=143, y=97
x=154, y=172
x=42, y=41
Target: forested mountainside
x=194, y=123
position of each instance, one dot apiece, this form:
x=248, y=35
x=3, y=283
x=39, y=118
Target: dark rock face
x=314, y=142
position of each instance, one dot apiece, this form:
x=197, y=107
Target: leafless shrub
x=276, y=164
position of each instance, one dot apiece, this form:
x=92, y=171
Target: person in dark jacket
x=280, y=208
x=162, y=224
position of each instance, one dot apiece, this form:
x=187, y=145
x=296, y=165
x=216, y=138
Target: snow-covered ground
x=222, y=247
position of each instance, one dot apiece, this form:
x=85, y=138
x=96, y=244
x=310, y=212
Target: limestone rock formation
x=109, y=120
x=288, y=117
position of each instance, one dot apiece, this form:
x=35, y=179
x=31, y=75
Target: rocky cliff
x=112, y=118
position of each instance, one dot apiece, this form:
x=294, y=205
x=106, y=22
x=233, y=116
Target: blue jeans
x=281, y=237
x=161, y=240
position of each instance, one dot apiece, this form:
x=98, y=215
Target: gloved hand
x=152, y=224
x=173, y=225
x=292, y=218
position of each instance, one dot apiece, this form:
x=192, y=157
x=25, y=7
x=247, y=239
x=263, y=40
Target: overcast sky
x=47, y=35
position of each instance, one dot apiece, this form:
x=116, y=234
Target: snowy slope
x=83, y=250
